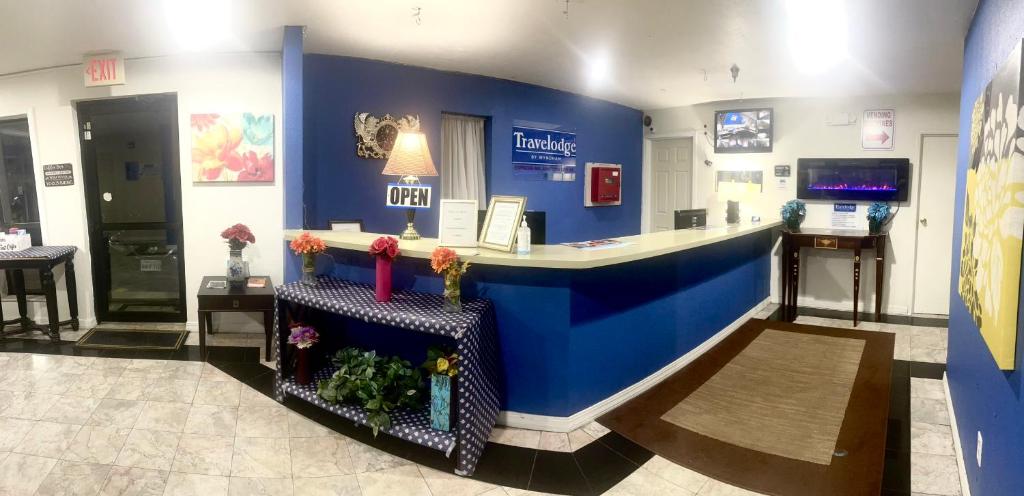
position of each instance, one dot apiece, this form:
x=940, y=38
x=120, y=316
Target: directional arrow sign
x=877, y=129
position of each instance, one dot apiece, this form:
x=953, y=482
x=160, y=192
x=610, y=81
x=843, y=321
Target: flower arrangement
x=379, y=385
x=443, y=362
x=303, y=337
x=793, y=213
x=878, y=213
x=238, y=236
x=446, y=261
x=309, y=246
x=385, y=246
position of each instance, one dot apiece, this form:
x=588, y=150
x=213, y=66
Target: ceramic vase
x=383, y=287
x=441, y=387
x=237, y=269
x=302, y=373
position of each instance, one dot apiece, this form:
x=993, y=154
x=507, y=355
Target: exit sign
x=105, y=69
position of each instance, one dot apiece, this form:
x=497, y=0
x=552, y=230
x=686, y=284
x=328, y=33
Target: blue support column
x=291, y=87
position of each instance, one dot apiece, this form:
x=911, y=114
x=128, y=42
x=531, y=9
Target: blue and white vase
x=440, y=402
x=238, y=269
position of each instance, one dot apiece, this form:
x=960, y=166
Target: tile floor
x=92, y=425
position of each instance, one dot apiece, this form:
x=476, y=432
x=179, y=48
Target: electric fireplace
x=865, y=179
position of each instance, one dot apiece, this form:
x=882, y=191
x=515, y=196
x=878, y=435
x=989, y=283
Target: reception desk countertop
x=637, y=247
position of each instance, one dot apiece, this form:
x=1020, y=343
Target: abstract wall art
x=232, y=147
x=993, y=222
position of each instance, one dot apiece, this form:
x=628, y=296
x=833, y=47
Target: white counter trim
x=587, y=415
x=639, y=247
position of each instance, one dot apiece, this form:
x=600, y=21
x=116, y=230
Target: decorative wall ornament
x=375, y=136
x=993, y=222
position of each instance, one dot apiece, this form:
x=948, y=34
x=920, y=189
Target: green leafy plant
x=440, y=361
x=379, y=385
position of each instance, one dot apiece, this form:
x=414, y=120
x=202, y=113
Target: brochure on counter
x=597, y=244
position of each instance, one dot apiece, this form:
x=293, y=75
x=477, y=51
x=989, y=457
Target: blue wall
x=291, y=97
x=984, y=397
x=571, y=338
x=339, y=185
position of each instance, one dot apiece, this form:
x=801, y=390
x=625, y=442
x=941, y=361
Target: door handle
x=924, y=222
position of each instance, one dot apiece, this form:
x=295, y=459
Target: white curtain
x=462, y=159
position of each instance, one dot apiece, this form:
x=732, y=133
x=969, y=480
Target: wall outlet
x=978, y=454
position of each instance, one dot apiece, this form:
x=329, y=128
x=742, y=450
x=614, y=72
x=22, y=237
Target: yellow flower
x=452, y=371
x=442, y=364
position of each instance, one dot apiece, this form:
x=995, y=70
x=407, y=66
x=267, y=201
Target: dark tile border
x=864, y=317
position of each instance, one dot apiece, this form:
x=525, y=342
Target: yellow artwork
x=993, y=223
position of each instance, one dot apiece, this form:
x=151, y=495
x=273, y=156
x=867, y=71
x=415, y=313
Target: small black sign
x=781, y=171
x=58, y=175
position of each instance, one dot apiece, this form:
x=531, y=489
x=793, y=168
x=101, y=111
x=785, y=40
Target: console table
x=473, y=332
x=229, y=299
x=43, y=259
x=826, y=239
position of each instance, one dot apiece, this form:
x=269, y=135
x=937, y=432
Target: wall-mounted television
x=744, y=131
x=863, y=179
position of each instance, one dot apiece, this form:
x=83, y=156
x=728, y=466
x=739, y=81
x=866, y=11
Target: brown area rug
x=766, y=408
x=784, y=394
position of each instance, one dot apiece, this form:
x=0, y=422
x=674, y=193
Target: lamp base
x=410, y=232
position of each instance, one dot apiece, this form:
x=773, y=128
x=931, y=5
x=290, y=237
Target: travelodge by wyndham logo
x=539, y=149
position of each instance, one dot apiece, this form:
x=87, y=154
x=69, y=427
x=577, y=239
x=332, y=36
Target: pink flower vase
x=302, y=372
x=383, y=279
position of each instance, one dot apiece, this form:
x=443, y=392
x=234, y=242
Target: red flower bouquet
x=238, y=236
x=385, y=249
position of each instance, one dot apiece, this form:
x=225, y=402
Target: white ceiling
x=657, y=52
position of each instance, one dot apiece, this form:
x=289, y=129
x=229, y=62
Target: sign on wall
x=544, y=153
x=878, y=129
x=58, y=175
x=844, y=215
x=105, y=69
x=408, y=196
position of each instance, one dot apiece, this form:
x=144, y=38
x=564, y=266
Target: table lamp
x=410, y=158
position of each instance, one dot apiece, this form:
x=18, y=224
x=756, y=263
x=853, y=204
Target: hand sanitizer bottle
x=523, y=239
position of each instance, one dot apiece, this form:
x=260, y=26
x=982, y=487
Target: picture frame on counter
x=504, y=214
x=457, y=223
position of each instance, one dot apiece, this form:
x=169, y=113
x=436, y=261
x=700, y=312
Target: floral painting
x=233, y=147
x=993, y=223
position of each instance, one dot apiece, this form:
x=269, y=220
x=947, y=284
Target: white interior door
x=671, y=172
x=936, y=189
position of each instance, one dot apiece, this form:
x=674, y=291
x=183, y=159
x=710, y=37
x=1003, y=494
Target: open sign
x=408, y=195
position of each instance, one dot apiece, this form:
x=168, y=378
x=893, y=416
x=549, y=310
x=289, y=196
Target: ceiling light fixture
x=817, y=32
x=598, y=70
x=198, y=24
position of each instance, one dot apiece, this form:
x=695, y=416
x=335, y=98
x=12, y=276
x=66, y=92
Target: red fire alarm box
x=603, y=185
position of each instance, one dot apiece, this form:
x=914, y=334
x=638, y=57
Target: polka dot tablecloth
x=474, y=332
x=44, y=252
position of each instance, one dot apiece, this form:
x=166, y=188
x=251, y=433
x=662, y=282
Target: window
x=19, y=206
x=463, y=158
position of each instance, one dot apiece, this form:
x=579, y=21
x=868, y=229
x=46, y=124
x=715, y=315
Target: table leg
x=879, y=276
x=268, y=329
x=69, y=279
x=209, y=322
x=784, y=276
x=50, y=289
x=794, y=287
x=18, y=277
x=202, y=336
x=856, y=283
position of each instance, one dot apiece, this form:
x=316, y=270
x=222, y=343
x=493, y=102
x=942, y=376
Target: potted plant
x=446, y=261
x=309, y=246
x=303, y=337
x=443, y=366
x=238, y=237
x=793, y=213
x=385, y=250
x=378, y=385
x=878, y=214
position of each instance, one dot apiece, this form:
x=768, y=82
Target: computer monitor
x=689, y=219
x=536, y=219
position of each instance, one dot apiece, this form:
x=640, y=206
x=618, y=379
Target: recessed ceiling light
x=817, y=32
x=598, y=70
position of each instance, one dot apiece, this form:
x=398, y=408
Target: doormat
x=132, y=339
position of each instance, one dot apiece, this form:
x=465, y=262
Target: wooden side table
x=826, y=239
x=244, y=299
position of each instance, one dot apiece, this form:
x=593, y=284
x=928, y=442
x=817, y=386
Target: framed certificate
x=458, y=223
x=504, y=214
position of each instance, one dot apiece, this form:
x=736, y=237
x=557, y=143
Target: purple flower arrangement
x=303, y=337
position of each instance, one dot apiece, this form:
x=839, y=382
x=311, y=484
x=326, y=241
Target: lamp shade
x=410, y=156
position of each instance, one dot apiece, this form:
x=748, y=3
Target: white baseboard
x=965, y=487
x=587, y=415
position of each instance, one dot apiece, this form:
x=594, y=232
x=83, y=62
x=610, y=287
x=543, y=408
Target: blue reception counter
x=577, y=327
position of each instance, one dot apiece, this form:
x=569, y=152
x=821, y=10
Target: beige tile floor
x=80, y=425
